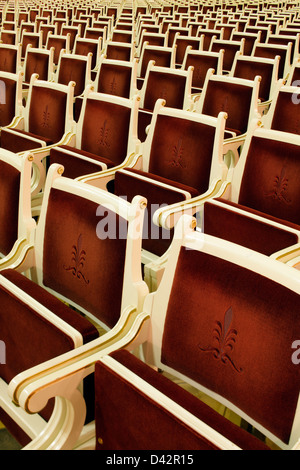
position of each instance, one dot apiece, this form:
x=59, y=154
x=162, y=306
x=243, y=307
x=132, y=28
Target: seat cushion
x=31, y=339
x=130, y=183
x=21, y=141
x=127, y=419
x=225, y=222
x=74, y=167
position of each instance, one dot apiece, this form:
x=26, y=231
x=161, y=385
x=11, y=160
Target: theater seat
x=261, y=211
x=47, y=121
x=85, y=280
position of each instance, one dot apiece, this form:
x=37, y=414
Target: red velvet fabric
x=234, y=99
x=182, y=44
x=116, y=52
x=167, y=86
x=155, y=239
x=286, y=116
x=162, y=58
x=182, y=151
x=249, y=70
x=58, y=43
x=8, y=37
x=222, y=222
x=37, y=63
x=74, y=167
x=9, y=206
x=105, y=130
x=22, y=329
x=8, y=60
x=77, y=263
x=270, y=53
x=115, y=80
x=32, y=39
x=121, y=408
x=73, y=70
x=230, y=51
x=84, y=47
x=270, y=182
x=201, y=65
x=47, y=112
x=225, y=328
x=21, y=141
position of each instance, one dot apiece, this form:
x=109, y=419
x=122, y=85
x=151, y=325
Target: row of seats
x=141, y=244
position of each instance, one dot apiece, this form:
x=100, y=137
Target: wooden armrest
x=60, y=378
x=20, y=258
x=67, y=139
x=168, y=216
x=288, y=255
x=100, y=179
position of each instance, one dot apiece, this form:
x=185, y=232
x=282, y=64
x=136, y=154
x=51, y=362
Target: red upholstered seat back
x=36, y=63
x=201, y=64
x=182, y=150
x=270, y=181
x=9, y=206
x=286, y=116
x=59, y=43
x=47, y=112
x=271, y=53
x=234, y=99
x=118, y=52
x=33, y=39
x=231, y=330
x=115, y=80
x=8, y=60
x=249, y=70
x=77, y=263
x=230, y=50
x=84, y=47
x=105, y=129
x=161, y=57
x=73, y=70
x=168, y=86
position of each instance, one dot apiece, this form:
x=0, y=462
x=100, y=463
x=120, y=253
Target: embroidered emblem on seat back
x=279, y=188
x=224, y=337
x=177, y=153
x=78, y=258
x=103, y=135
x=113, y=86
x=45, y=117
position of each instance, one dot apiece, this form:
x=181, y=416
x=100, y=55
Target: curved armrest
x=62, y=376
x=101, y=178
x=20, y=258
x=28, y=384
x=290, y=255
x=41, y=152
x=167, y=216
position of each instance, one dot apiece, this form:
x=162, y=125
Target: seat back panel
x=234, y=329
